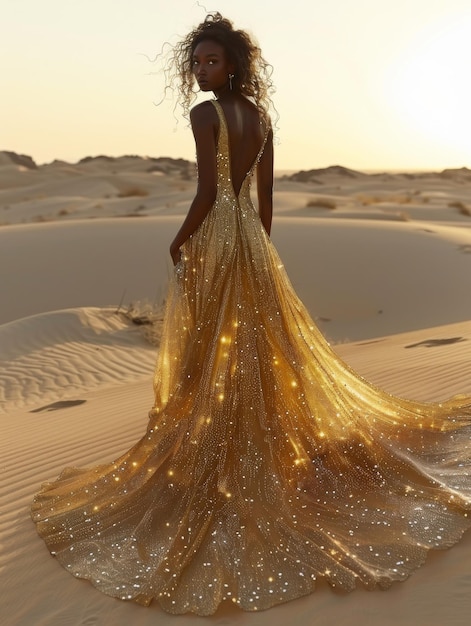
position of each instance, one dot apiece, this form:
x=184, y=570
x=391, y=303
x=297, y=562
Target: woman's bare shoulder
x=203, y=113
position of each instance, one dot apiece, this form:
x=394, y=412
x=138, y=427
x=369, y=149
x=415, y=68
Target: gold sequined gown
x=268, y=463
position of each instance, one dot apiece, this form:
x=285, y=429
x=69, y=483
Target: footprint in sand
x=367, y=343
x=61, y=404
x=435, y=343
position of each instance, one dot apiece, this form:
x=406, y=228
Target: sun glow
x=384, y=85
x=428, y=85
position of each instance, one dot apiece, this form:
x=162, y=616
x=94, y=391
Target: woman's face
x=210, y=66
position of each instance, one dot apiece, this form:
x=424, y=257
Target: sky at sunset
x=369, y=84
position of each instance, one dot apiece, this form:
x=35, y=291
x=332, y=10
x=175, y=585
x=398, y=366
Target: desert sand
x=383, y=262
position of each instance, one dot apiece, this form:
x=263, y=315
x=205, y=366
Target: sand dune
x=359, y=278
x=382, y=262
x=132, y=185
x=102, y=421
x=48, y=357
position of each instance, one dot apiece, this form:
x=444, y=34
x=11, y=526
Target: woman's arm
x=204, y=122
x=265, y=184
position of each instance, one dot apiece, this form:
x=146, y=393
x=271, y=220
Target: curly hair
x=252, y=73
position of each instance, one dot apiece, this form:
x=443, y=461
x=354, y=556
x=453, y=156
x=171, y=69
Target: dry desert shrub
x=367, y=200
x=396, y=216
x=400, y=199
x=130, y=192
x=396, y=199
x=322, y=203
x=402, y=216
x=423, y=199
x=462, y=208
x=148, y=316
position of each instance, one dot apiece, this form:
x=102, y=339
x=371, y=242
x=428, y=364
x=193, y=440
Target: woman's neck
x=225, y=94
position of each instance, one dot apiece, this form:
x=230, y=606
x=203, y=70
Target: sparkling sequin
x=268, y=463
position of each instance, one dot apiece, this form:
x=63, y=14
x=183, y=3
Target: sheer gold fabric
x=268, y=463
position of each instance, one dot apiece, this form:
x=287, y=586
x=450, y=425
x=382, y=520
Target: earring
x=231, y=76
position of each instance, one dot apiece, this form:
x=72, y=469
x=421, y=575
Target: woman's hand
x=175, y=253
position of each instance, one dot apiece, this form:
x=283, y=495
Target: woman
x=268, y=463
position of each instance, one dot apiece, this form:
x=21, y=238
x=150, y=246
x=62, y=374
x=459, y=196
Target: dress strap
x=222, y=117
